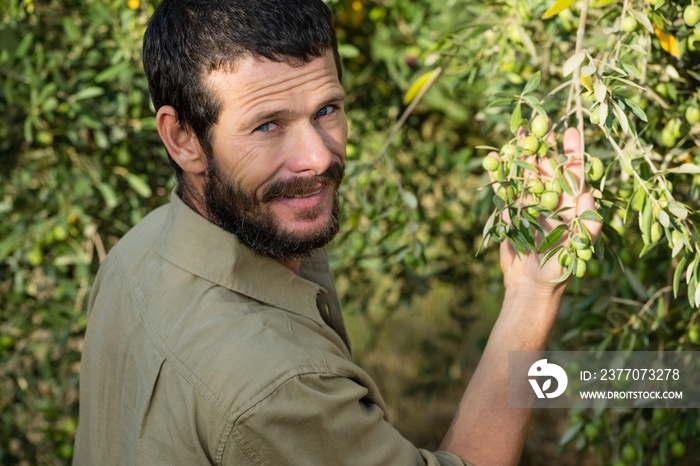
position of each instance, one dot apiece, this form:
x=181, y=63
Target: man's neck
x=192, y=201
x=293, y=264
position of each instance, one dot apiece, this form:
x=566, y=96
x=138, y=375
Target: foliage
x=429, y=84
x=631, y=87
x=80, y=164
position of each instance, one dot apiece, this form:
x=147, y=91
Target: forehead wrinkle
x=256, y=92
x=254, y=109
x=269, y=88
x=322, y=94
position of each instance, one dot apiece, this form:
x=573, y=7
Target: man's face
x=278, y=154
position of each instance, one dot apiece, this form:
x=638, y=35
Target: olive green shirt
x=199, y=351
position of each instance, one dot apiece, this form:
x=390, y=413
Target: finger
x=574, y=155
x=533, y=159
x=587, y=202
x=572, y=143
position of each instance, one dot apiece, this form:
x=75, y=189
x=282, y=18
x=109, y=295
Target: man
x=214, y=330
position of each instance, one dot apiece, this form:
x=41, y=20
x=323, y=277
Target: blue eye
x=327, y=110
x=266, y=127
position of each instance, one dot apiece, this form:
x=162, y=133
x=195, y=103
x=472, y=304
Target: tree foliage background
x=429, y=84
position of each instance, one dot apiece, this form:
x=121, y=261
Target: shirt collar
x=196, y=245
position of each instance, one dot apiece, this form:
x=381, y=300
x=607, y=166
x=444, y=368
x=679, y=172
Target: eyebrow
x=260, y=118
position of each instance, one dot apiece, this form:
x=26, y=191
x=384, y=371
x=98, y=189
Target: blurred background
x=81, y=162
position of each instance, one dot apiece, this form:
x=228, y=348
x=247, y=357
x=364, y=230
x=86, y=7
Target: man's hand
x=524, y=269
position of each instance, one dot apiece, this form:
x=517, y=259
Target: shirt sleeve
x=320, y=420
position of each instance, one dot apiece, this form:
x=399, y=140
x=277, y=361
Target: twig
x=404, y=116
x=618, y=46
x=556, y=89
x=647, y=305
x=580, y=35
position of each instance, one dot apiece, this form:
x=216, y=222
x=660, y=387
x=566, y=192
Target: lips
x=304, y=187
x=300, y=196
x=298, y=188
x=308, y=206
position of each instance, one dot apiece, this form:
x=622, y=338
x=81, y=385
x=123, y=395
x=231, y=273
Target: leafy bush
x=81, y=163
x=626, y=74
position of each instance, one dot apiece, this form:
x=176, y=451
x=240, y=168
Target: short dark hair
x=187, y=39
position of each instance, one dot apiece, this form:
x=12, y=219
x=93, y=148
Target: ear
x=182, y=144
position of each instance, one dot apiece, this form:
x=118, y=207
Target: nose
x=311, y=150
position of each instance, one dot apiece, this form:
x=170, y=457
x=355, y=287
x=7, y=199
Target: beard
x=255, y=225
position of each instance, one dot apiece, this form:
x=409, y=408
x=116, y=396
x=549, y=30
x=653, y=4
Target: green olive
x=596, y=169
x=36, y=255
x=657, y=231
x=691, y=15
x=505, y=193
x=638, y=200
x=535, y=186
x=6, y=342
x=678, y=449
x=530, y=145
x=668, y=139
x=533, y=212
x=44, y=138
x=658, y=415
x=491, y=163
x=553, y=185
x=692, y=114
x=628, y=453
x=584, y=254
x=499, y=234
x=549, y=200
x=509, y=151
x=579, y=241
x=60, y=233
x=594, y=268
x=591, y=431
x=564, y=258
x=539, y=126
x=498, y=174
x=629, y=24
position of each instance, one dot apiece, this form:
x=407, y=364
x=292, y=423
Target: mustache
x=301, y=185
